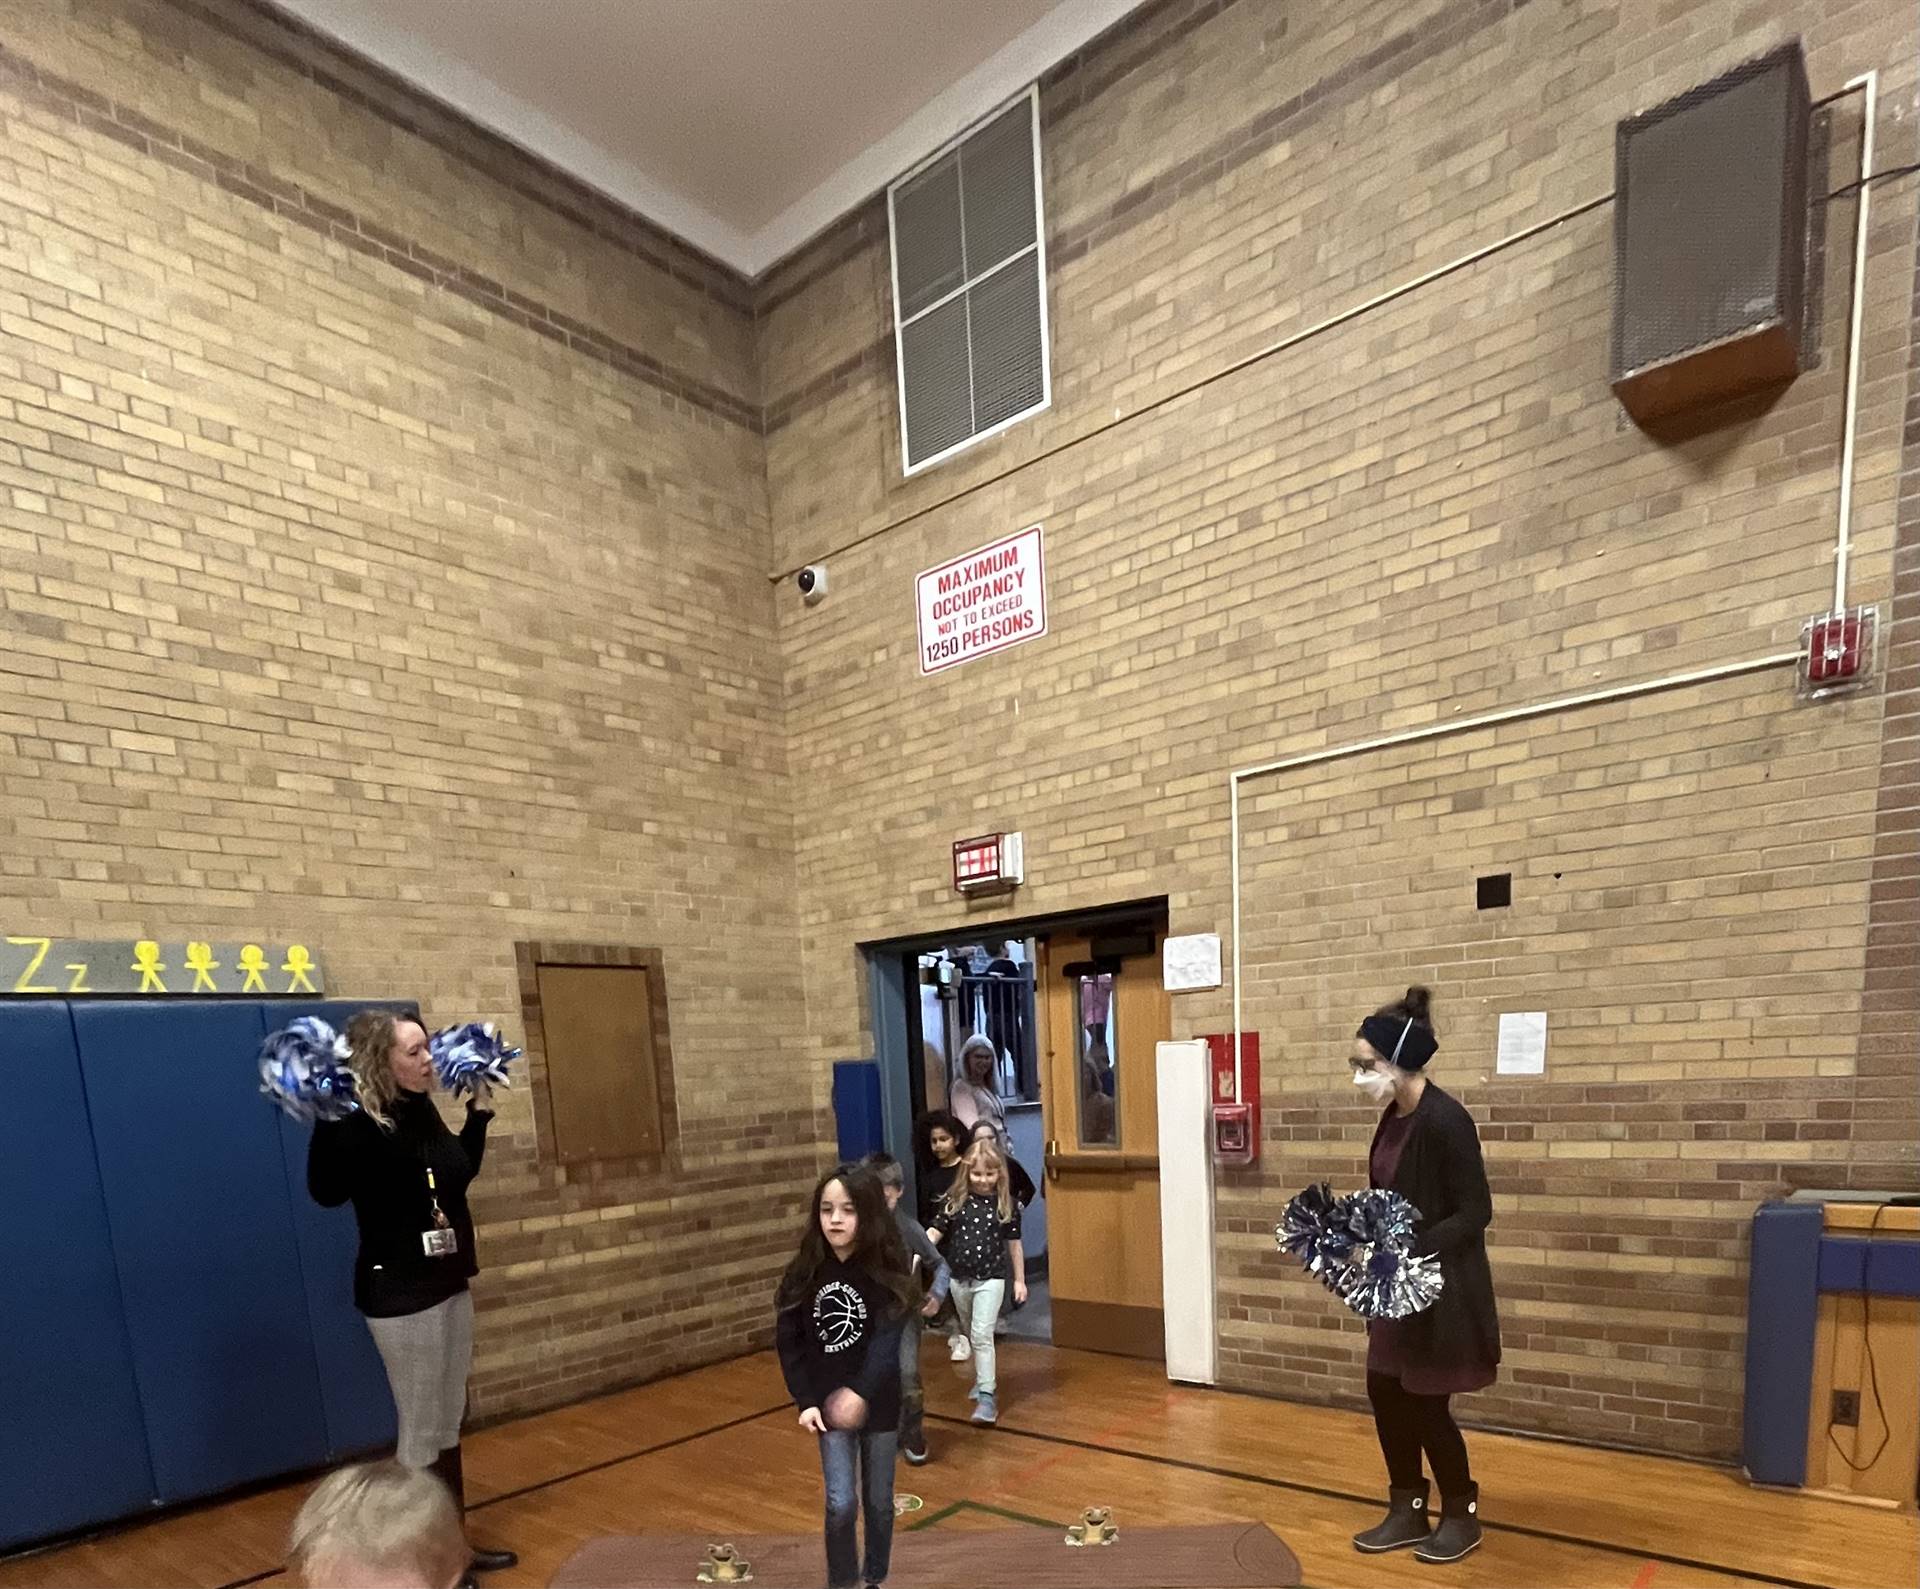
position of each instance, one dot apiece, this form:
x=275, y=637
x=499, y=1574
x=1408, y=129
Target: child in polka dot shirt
x=979, y=1232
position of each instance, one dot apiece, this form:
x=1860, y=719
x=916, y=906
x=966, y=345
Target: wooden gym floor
x=716, y=1451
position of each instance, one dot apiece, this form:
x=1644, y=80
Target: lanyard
x=440, y=1220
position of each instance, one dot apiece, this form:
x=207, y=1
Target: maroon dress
x=1388, y=1339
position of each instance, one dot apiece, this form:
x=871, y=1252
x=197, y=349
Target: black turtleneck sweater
x=384, y=1174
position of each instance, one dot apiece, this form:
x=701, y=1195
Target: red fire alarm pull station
x=1236, y=1111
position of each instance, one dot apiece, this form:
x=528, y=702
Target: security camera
x=812, y=581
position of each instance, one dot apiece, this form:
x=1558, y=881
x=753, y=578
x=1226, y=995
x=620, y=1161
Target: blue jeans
x=842, y=1452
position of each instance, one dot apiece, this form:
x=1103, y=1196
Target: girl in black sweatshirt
x=839, y=1312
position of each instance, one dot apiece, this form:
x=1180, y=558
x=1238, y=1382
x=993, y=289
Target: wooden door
x=1103, y=1023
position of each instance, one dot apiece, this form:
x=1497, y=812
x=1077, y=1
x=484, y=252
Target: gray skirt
x=428, y=1355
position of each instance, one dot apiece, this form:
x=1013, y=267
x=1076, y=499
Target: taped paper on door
x=1523, y=1044
x=1190, y=963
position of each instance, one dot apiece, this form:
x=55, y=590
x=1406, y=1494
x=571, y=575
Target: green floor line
x=945, y=1512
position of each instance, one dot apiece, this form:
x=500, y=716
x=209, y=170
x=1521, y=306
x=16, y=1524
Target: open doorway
x=975, y=1028
x=1051, y=1026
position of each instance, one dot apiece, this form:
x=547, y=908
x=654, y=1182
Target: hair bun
x=1419, y=1005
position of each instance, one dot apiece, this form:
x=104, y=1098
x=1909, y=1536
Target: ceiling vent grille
x=969, y=287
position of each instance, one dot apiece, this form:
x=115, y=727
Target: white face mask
x=1376, y=1086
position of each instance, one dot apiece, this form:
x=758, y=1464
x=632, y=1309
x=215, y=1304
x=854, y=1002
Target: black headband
x=1400, y=1039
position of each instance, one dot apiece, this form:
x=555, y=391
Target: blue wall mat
x=353, y=1382
x=1885, y=1268
x=203, y=1236
x=856, y=1108
x=73, y=1448
x=1783, y=1303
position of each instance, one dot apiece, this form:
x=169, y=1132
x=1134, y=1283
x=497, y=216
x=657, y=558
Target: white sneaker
x=959, y=1348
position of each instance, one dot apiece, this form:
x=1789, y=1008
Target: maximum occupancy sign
x=992, y=598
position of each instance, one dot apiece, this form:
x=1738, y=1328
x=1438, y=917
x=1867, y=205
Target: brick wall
x=382, y=548
x=1431, y=510
x=384, y=558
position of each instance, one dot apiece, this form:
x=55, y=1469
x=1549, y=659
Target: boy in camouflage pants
x=913, y=1432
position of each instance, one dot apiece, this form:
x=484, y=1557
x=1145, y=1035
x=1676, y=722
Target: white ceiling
x=745, y=126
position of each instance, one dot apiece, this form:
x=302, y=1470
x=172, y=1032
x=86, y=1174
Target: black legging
x=1409, y=1424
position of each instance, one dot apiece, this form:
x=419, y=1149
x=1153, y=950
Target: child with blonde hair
x=979, y=1232
x=379, y=1526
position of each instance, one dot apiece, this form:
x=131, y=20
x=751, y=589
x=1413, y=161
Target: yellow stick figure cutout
x=253, y=961
x=146, y=960
x=299, y=963
x=201, y=963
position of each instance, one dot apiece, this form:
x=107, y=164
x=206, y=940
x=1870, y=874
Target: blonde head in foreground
x=379, y=1526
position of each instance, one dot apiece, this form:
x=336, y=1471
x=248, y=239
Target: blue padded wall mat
x=1782, y=1305
x=74, y=1450
x=193, y=1167
x=1886, y=1268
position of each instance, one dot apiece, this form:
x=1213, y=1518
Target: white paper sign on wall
x=990, y=599
x=1190, y=963
x=1522, y=1049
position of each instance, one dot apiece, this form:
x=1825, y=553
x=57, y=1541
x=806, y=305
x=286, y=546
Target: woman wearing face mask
x=1427, y=1150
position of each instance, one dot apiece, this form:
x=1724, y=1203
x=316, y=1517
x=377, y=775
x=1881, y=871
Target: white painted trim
x=1863, y=200
x=1038, y=248
x=1441, y=730
x=938, y=123
x=942, y=302
x=382, y=37
x=380, y=34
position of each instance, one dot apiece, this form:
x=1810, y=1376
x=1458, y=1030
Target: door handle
x=1050, y=1157
x=1102, y=1163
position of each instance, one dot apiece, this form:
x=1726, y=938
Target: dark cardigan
x=1441, y=1173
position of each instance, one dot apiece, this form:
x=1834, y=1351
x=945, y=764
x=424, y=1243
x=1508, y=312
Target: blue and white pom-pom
x=473, y=1051
x=1361, y=1248
x=303, y=1068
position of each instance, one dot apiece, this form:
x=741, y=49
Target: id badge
x=440, y=1243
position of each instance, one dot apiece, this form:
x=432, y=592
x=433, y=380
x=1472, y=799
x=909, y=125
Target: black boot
x=448, y=1466
x=1405, y=1523
x=1459, y=1531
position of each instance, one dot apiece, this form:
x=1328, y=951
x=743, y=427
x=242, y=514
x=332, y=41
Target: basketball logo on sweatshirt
x=839, y=1315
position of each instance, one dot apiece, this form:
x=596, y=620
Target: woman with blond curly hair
x=407, y=1175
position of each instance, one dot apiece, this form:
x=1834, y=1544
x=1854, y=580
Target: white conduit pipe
x=1869, y=82
x=1463, y=725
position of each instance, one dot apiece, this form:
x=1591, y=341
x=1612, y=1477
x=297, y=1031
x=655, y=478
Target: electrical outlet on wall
x=1846, y=1409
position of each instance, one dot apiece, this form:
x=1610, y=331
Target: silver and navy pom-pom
x=303, y=1068
x=1389, y=1281
x=1376, y=1216
x=473, y=1051
x=1313, y=1231
x=1360, y=1247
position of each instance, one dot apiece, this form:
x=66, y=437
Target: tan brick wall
x=1432, y=510
x=348, y=598
x=384, y=557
